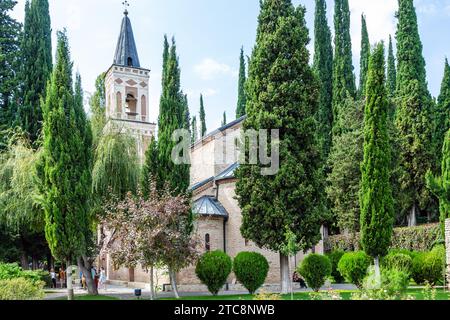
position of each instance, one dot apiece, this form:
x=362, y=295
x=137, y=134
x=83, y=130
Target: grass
x=305, y=296
x=90, y=298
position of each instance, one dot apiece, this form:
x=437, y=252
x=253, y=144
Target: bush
x=213, y=269
x=251, y=269
x=315, y=269
x=395, y=282
x=429, y=266
x=13, y=271
x=335, y=257
x=398, y=261
x=21, y=289
x=353, y=267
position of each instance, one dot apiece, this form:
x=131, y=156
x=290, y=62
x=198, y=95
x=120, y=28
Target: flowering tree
x=150, y=232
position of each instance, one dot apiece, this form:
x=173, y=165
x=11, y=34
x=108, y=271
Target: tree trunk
x=412, y=218
x=24, y=260
x=377, y=273
x=173, y=282
x=152, y=284
x=285, y=274
x=85, y=267
x=70, y=294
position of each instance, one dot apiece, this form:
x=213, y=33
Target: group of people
x=99, y=278
x=61, y=275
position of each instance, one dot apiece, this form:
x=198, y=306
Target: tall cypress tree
x=67, y=172
x=364, y=57
x=413, y=119
x=194, y=130
x=242, y=98
x=203, y=128
x=377, y=210
x=224, y=120
x=9, y=51
x=172, y=117
x=442, y=113
x=323, y=67
x=283, y=94
x=343, y=76
x=391, y=70
x=36, y=66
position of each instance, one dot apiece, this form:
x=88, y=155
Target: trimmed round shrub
x=353, y=266
x=429, y=266
x=398, y=261
x=335, y=257
x=21, y=289
x=251, y=269
x=213, y=269
x=315, y=269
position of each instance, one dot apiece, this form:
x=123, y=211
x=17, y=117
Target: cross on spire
x=126, y=5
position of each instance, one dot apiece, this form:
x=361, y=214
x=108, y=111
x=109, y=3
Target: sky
x=209, y=35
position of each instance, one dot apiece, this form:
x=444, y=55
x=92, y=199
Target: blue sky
x=209, y=34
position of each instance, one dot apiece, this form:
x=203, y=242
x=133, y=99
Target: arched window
x=119, y=103
x=208, y=242
x=144, y=108
x=130, y=62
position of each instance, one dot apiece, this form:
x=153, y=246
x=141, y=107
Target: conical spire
x=126, y=52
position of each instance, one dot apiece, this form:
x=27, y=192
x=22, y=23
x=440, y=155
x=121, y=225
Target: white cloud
x=208, y=92
x=209, y=68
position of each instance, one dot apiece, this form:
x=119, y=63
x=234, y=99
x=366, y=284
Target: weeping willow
x=19, y=208
x=116, y=169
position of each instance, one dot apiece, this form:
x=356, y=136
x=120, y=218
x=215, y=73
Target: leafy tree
x=150, y=168
x=242, y=98
x=323, y=67
x=36, y=66
x=67, y=175
x=98, y=110
x=203, y=129
x=194, y=130
x=413, y=118
x=377, y=210
x=343, y=76
x=391, y=70
x=150, y=231
x=442, y=112
x=283, y=94
x=9, y=51
x=344, y=179
x=440, y=186
x=364, y=57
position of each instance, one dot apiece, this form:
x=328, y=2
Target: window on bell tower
x=130, y=62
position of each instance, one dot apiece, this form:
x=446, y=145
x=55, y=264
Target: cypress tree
x=441, y=186
x=150, y=168
x=377, y=210
x=283, y=94
x=442, y=112
x=242, y=98
x=203, y=129
x=343, y=76
x=9, y=51
x=194, y=130
x=224, y=120
x=98, y=110
x=413, y=119
x=391, y=70
x=364, y=57
x=172, y=117
x=323, y=67
x=67, y=172
x=36, y=66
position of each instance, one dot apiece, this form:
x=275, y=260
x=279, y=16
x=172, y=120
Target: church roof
x=228, y=173
x=126, y=52
x=209, y=206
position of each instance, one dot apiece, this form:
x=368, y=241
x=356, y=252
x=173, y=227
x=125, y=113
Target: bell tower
x=127, y=89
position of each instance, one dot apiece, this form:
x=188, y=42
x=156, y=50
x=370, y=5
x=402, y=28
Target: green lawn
x=346, y=295
x=90, y=298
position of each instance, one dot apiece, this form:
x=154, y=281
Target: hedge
x=421, y=238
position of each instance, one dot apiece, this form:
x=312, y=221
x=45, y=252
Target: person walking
x=103, y=279
x=62, y=277
x=53, y=276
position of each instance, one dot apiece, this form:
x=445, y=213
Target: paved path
x=124, y=293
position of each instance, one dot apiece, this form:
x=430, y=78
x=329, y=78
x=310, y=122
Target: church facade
x=213, y=183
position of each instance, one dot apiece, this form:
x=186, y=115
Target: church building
x=213, y=183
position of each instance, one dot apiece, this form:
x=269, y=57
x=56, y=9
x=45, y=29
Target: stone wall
x=447, y=245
